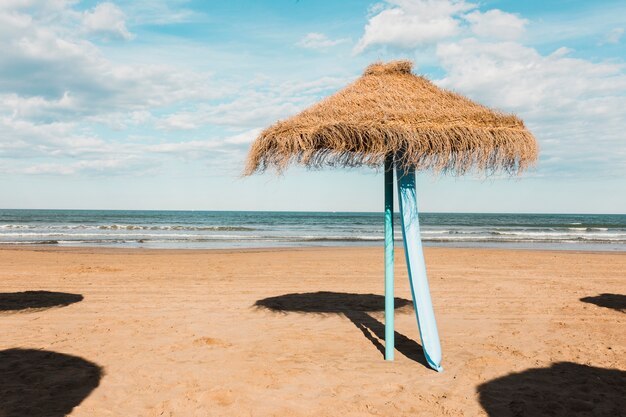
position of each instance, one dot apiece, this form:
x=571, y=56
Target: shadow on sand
x=356, y=308
x=15, y=301
x=614, y=301
x=564, y=389
x=39, y=383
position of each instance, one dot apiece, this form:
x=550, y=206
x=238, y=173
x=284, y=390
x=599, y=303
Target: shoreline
x=398, y=247
x=226, y=230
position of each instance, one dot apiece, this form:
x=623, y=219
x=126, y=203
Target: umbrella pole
x=422, y=303
x=389, y=296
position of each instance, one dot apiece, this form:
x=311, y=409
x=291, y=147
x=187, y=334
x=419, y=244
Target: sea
x=253, y=229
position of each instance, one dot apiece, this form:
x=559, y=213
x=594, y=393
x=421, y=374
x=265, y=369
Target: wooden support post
x=389, y=242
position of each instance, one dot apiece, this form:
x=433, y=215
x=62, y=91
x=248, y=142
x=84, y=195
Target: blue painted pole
x=416, y=267
x=389, y=296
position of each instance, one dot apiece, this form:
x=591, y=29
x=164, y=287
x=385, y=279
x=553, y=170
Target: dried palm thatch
x=389, y=110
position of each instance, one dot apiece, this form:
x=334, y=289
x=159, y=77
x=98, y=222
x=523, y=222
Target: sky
x=152, y=104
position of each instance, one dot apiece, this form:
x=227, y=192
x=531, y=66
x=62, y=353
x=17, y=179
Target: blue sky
x=152, y=104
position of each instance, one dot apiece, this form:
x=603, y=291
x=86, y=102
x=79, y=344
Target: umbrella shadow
x=563, y=389
x=33, y=300
x=39, y=383
x=614, y=301
x=356, y=308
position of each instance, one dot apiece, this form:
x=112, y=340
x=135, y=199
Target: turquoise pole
x=417, y=268
x=389, y=299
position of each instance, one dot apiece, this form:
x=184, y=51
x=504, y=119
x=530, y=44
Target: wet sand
x=299, y=332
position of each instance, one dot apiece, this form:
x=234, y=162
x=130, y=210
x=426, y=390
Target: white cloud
x=22, y=139
x=35, y=107
x=412, y=23
x=106, y=20
x=519, y=78
x=249, y=110
x=574, y=106
x=160, y=12
x=43, y=58
x=67, y=149
x=496, y=24
x=315, y=40
x=244, y=138
x=251, y=107
x=56, y=88
x=116, y=165
x=192, y=147
x=59, y=94
x=614, y=36
x=121, y=120
x=67, y=107
x=45, y=6
x=180, y=121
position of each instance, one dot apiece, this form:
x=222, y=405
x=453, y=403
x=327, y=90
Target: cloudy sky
x=152, y=104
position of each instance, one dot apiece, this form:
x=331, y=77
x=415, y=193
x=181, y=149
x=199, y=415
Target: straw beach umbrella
x=390, y=117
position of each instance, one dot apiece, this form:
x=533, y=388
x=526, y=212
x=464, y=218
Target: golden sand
x=177, y=333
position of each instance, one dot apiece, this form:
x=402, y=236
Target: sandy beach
x=299, y=332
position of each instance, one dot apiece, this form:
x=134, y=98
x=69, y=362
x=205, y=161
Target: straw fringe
x=391, y=111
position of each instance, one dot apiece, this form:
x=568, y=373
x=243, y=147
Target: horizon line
x=310, y=211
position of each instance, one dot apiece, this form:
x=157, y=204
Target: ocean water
x=213, y=229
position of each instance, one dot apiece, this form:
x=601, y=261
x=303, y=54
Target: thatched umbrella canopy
x=390, y=111
x=393, y=117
